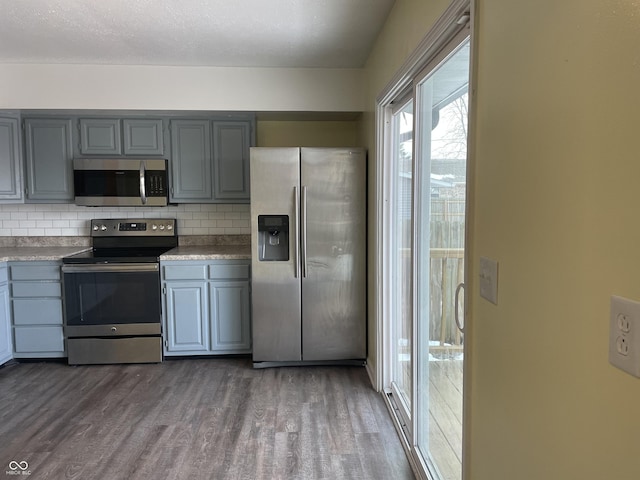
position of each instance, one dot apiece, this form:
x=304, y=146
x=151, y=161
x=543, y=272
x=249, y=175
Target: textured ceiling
x=239, y=33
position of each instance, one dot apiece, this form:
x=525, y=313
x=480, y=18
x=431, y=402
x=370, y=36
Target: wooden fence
x=446, y=271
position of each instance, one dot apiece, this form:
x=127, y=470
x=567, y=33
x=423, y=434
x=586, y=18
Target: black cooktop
x=117, y=255
x=128, y=241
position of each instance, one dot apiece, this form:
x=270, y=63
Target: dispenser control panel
x=273, y=238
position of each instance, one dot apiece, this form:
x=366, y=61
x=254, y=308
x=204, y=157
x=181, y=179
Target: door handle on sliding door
x=456, y=308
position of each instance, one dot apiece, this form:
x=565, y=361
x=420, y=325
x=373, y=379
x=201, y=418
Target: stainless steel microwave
x=122, y=182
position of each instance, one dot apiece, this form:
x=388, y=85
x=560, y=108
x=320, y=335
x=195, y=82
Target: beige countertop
x=209, y=252
x=11, y=254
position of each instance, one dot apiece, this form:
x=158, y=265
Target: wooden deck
x=445, y=411
x=445, y=417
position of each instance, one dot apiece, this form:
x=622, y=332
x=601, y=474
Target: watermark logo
x=18, y=468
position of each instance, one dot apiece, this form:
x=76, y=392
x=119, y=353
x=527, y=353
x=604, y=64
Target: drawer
x=35, y=272
x=185, y=272
x=51, y=289
x=228, y=271
x=3, y=274
x=38, y=340
x=37, y=311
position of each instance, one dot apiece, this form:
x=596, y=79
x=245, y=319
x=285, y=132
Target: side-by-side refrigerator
x=308, y=236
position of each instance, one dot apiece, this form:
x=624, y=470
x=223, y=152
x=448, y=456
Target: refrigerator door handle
x=296, y=203
x=303, y=222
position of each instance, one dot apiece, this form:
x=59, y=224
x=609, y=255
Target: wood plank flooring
x=196, y=419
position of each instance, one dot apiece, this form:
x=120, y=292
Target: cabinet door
x=38, y=341
x=10, y=174
x=143, y=137
x=230, y=320
x=37, y=311
x=100, y=136
x=49, y=159
x=6, y=347
x=231, y=142
x=186, y=317
x=191, y=161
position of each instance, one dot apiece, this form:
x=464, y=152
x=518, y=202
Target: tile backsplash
x=72, y=220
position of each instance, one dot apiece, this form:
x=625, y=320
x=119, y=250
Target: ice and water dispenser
x=273, y=238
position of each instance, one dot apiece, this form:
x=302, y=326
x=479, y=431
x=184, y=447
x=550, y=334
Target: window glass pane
x=401, y=237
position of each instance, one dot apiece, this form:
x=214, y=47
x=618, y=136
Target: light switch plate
x=489, y=279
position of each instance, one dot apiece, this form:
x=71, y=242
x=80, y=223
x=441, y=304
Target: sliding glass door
x=427, y=135
x=441, y=97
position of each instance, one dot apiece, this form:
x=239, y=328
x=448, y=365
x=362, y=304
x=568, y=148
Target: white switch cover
x=624, y=335
x=489, y=279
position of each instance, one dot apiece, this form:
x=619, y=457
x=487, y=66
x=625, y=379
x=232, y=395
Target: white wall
x=24, y=86
x=71, y=220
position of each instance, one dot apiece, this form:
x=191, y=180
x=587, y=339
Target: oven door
x=107, y=295
x=112, y=313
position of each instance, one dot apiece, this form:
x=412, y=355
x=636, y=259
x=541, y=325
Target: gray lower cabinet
x=229, y=306
x=206, y=307
x=6, y=344
x=36, y=309
x=10, y=160
x=49, y=159
x=187, y=326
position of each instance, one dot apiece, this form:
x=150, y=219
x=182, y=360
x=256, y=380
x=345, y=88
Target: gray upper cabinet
x=231, y=142
x=210, y=160
x=143, y=137
x=191, y=161
x=10, y=162
x=49, y=159
x=100, y=136
x=208, y=152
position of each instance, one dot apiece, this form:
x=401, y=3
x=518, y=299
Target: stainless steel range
x=112, y=292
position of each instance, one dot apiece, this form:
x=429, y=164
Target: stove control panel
x=132, y=227
x=148, y=227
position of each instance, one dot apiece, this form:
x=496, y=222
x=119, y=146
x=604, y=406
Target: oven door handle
x=113, y=268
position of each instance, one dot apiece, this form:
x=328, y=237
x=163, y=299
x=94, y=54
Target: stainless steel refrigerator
x=308, y=236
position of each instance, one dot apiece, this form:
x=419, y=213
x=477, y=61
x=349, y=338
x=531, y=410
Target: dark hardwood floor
x=195, y=419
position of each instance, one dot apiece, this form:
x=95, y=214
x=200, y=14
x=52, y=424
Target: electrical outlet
x=624, y=335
